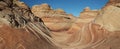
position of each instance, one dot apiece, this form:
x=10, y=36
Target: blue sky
x=70, y=6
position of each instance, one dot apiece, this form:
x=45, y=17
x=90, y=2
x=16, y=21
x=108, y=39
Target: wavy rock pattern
x=20, y=29
x=87, y=31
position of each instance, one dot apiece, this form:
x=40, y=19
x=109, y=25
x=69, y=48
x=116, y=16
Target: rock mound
x=88, y=13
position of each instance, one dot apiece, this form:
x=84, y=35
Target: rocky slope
x=19, y=27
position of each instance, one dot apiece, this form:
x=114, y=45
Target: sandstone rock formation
x=41, y=10
x=55, y=20
x=88, y=13
x=112, y=23
x=19, y=27
x=86, y=16
x=45, y=10
x=113, y=2
x=109, y=20
x=87, y=31
x=102, y=33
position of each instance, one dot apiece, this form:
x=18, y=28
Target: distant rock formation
x=55, y=20
x=87, y=9
x=88, y=13
x=41, y=9
x=45, y=10
x=86, y=16
x=60, y=11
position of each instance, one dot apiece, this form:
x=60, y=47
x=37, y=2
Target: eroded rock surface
x=113, y=2
x=88, y=13
x=18, y=25
x=92, y=30
x=55, y=20
x=20, y=29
